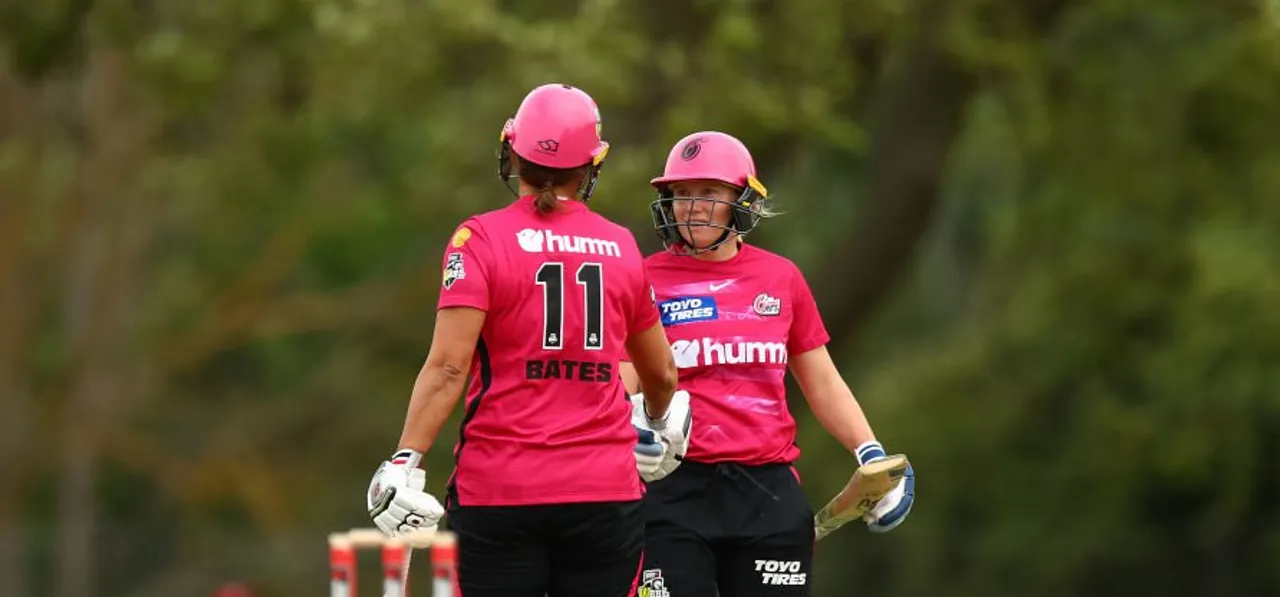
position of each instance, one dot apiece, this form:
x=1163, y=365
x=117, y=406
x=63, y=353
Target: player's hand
x=673, y=429
x=650, y=452
x=397, y=498
x=894, y=507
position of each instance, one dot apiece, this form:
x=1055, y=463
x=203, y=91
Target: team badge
x=454, y=270
x=766, y=305
x=652, y=585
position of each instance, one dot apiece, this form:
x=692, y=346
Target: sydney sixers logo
x=652, y=584
x=454, y=270
x=691, y=149
x=766, y=305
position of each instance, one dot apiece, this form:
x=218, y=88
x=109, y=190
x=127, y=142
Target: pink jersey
x=547, y=420
x=732, y=326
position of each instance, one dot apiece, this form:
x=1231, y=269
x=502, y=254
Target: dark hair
x=546, y=180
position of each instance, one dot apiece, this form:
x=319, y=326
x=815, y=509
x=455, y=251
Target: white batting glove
x=397, y=498
x=650, y=452
x=673, y=430
x=894, y=507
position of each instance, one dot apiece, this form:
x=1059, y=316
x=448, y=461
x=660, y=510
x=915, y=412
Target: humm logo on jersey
x=707, y=351
x=546, y=241
x=687, y=309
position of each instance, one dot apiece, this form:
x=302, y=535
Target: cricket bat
x=868, y=485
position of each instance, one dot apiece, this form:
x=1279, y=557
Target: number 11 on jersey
x=590, y=276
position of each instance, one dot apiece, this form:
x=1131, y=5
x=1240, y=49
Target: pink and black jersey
x=732, y=326
x=547, y=420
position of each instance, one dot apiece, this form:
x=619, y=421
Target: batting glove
x=650, y=452
x=672, y=430
x=894, y=507
x=397, y=498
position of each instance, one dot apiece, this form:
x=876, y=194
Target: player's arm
x=660, y=409
x=653, y=369
x=834, y=406
x=630, y=380
x=830, y=398
x=839, y=413
x=441, y=379
x=397, y=498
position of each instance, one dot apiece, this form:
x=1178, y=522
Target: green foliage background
x=1045, y=235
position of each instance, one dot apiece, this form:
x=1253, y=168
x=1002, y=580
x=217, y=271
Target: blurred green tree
x=1043, y=236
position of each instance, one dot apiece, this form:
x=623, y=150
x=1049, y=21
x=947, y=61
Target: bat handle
x=394, y=587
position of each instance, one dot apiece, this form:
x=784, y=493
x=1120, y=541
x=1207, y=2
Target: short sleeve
x=807, y=331
x=644, y=313
x=467, y=261
x=644, y=309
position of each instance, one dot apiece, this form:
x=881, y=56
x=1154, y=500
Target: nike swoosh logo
x=715, y=287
